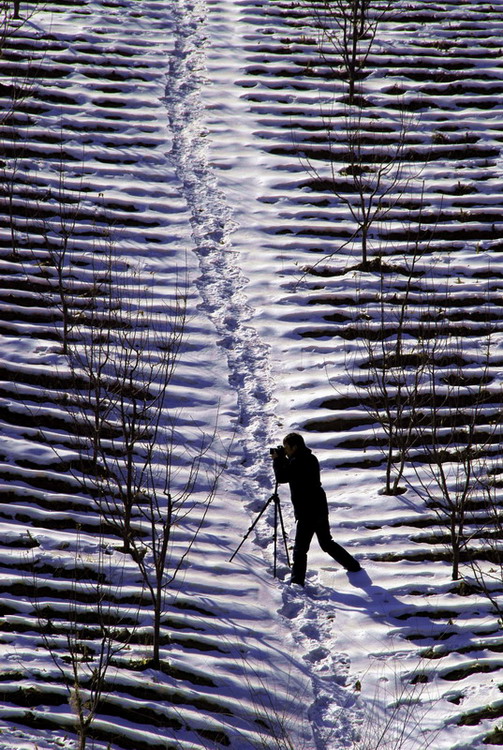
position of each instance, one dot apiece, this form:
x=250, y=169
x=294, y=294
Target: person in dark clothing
x=299, y=467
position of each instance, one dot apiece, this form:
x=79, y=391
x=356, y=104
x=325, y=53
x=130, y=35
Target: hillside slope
x=186, y=141
x=436, y=68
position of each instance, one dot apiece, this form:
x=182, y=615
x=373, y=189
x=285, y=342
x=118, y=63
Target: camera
x=279, y=449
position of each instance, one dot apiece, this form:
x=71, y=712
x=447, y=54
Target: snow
x=198, y=157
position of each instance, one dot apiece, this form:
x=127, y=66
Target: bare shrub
x=83, y=652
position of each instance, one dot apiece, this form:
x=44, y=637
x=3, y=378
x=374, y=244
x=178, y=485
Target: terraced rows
x=85, y=173
x=435, y=264
x=80, y=125
x=435, y=256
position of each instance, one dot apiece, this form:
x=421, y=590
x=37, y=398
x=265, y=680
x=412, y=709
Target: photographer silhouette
x=299, y=467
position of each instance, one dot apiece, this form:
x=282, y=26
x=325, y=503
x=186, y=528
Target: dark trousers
x=306, y=529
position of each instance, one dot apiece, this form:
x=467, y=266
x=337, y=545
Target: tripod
x=277, y=515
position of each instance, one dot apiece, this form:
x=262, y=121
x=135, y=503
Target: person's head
x=293, y=443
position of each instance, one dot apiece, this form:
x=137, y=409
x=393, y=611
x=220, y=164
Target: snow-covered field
x=188, y=127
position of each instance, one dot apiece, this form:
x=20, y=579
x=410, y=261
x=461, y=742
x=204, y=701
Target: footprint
x=317, y=654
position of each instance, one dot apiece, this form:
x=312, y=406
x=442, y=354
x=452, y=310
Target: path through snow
x=213, y=224
x=197, y=102
x=185, y=110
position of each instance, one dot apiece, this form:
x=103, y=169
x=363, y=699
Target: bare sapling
x=171, y=517
x=155, y=484
x=347, y=30
x=388, y=378
x=57, y=265
x=487, y=561
x=367, y=172
x=386, y=368
x=367, y=175
x=373, y=181
x=149, y=483
x=122, y=362
x=455, y=436
x=84, y=652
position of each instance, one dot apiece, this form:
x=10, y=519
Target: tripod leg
x=277, y=502
x=251, y=528
x=275, y=534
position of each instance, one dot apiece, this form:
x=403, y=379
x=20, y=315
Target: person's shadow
x=414, y=622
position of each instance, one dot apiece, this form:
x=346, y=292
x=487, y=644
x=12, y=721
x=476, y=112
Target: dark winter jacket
x=302, y=472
